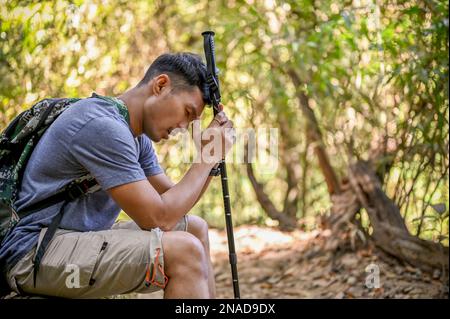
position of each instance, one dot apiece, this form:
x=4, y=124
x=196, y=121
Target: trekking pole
x=214, y=92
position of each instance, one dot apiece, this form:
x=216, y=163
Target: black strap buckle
x=75, y=190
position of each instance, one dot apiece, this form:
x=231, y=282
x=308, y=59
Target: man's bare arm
x=162, y=183
x=141, y=201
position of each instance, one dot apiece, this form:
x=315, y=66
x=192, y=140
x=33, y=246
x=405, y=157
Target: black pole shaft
x=215, y=100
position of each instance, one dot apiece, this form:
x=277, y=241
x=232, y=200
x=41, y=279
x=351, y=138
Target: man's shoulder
x=93, y=107
x=90, y=114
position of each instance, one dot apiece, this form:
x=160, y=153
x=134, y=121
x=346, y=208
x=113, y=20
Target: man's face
x=168, y=109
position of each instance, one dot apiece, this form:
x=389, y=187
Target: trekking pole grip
x=212, y=71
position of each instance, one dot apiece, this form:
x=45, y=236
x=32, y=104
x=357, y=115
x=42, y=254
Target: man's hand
x=217, y=139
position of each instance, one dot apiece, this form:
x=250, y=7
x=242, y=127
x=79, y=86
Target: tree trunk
x=389, y=230
x=363, y=190
x=287, y=222
x=315, y=136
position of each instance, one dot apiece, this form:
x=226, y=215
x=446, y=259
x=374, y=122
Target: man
x=162, y=248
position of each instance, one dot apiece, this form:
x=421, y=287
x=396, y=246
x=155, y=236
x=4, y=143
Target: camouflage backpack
x=17, y=142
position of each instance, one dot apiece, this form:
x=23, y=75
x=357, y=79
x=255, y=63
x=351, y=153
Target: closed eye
x=191, y=112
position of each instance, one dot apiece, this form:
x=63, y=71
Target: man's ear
x=160, y=83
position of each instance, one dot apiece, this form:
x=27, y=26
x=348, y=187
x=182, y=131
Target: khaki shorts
x=96, y=264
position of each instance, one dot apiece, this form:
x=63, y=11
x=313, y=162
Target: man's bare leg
x=199, y=228
x=186, y=266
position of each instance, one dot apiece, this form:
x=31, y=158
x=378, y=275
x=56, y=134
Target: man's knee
x=183, y=252
x=198, y=227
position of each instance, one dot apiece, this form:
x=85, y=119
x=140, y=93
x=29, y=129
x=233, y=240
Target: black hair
x=184, y=69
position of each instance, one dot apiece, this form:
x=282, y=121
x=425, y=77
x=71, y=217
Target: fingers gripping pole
x=214, y=90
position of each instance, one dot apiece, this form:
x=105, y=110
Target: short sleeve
x=106, y=148
x=147, y=157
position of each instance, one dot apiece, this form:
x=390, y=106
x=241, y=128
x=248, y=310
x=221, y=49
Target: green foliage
x=375, y=73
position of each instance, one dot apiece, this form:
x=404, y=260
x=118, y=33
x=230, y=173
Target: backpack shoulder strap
x=75, y=189
x=120, y=105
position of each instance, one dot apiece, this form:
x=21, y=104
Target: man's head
x=176, y=93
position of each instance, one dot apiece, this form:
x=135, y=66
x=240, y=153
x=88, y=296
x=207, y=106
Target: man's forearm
x=180, y=198
x=205, y=187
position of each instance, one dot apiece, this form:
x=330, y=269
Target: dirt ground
x=274, y=264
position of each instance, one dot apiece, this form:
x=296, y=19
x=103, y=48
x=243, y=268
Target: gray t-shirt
x=90, y=137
